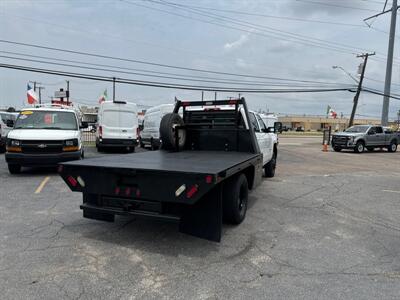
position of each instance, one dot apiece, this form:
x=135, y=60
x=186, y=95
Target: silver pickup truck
x=361, y=137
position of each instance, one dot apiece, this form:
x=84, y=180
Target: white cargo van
x=44, y=136
x=117, y=125
x=150, y=135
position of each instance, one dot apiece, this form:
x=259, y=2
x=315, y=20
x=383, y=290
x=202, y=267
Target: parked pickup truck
x=211, y=154
x=361, y=137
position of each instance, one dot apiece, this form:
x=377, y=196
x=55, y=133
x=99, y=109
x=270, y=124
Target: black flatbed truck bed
x=185, y=186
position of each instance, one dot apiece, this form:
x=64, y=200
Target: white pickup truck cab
x=267, y=139
x=266, y=136
x=44, y=136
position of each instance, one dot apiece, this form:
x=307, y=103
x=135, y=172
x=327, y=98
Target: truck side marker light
x=180, y=190
x=117, y=190
x=193, y=190
x=81, y=181
x=72, y=181
x=209, y=179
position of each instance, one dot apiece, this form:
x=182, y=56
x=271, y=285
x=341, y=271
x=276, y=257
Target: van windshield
x=34, y=119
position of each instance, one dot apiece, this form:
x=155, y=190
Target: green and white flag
x=103, y=97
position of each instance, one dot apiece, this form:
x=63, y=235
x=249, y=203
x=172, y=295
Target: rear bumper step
x=138, y=213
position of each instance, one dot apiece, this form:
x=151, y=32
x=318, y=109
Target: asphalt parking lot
x=326, y=227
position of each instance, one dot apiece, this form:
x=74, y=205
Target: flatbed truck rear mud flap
x=204, y=218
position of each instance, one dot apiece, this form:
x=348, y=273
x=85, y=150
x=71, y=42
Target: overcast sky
x=265, y=46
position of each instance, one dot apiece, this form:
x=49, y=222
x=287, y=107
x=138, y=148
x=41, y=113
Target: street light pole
x=347, y=73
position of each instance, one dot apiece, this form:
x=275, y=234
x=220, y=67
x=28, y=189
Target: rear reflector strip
x=180, y=190
x=81, y=181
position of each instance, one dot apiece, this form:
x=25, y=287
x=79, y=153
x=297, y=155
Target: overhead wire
x=167, y=84
x=153, y=73
x=153, y=63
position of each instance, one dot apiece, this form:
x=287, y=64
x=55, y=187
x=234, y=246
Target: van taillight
x=100, y=130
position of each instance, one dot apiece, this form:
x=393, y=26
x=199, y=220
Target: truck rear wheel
x=235, y=197
x=167, y=132
x=14, y=169
x=392, y=147
x=359, y=148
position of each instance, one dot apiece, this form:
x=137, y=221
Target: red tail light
x=193, y=190
x=100, y=130
x=128, y=191
x=72, y=181
x=209, y=179
x=117, y=190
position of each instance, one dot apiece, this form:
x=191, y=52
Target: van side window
x=253, y=122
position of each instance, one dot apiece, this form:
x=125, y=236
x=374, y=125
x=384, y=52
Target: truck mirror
x=10, y=123
x=278, y=127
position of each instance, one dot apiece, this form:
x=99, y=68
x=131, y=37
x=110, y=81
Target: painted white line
x=42, y=184
x=390, y=191
x=290, y=144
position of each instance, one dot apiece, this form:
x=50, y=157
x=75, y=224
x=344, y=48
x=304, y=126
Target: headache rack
x=216, y=122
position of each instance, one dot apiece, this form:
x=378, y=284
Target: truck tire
x=392, y=147
x=337, y=149
x=235, y=197
x=14, y=169
x=359, y=148
x=269, y=168
x=167, y=132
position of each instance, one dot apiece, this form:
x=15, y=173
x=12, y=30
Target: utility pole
x=67, y=92
x=40, y=88
x=360, y=82
x=113, y=89
x=389, y=65
x=389, y=62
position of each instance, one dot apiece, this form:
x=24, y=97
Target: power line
x=152, y=63
x=310, y=41
x=194, y=78
x=277, y=34
x=335, y=5
x=166, y=84
x=274, y=17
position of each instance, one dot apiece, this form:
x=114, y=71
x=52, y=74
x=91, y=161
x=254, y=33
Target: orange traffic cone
x=325, y=147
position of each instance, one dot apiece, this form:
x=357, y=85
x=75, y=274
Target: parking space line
x=391, y=191
x=42, y=184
